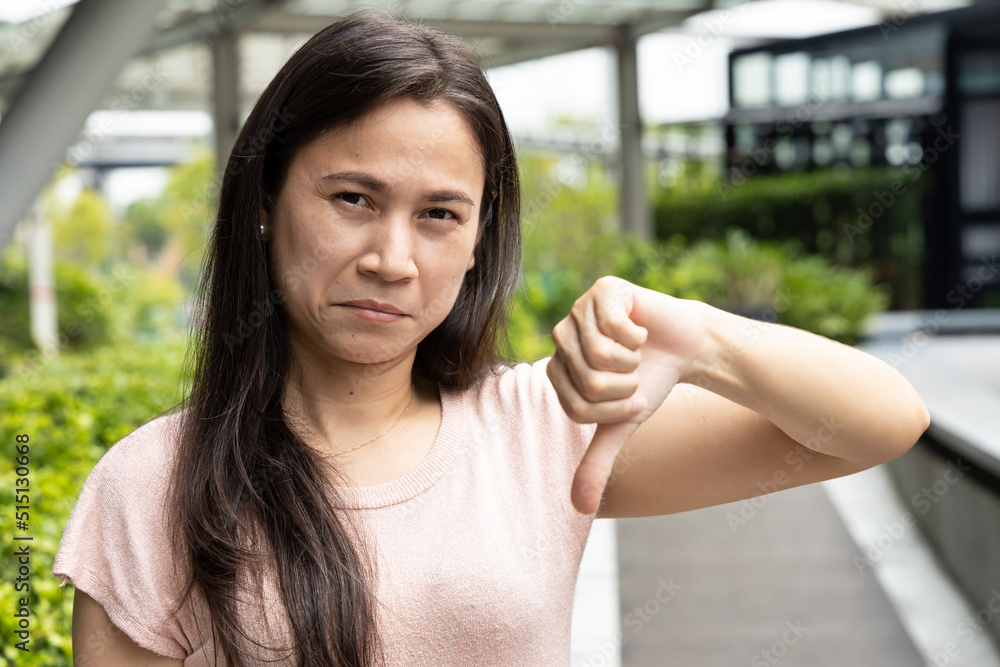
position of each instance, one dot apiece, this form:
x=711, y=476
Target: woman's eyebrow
x=381, y=187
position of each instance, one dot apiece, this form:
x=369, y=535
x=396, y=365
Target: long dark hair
x=246, y=490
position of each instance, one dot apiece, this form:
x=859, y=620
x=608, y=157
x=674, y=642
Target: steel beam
x=225, y=93
x=96, y=41
x=635, y=214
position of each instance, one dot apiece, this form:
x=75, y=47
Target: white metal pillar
x=225, y=93
x=635, y=211
x=41, y=285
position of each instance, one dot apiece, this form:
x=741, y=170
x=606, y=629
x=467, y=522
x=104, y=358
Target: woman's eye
x=352, y=197
x=439, y=213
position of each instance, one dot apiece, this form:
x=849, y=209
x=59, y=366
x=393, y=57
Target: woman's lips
x=373, y=311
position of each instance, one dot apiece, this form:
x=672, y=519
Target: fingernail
x=638, y=404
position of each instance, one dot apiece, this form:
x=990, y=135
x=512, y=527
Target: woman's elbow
x=909, y=428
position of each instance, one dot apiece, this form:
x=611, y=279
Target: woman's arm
x=774, y=394
x=98, y=641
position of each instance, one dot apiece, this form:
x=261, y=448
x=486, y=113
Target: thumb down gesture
x=619, y=352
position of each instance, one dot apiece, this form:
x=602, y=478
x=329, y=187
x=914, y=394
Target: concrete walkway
x=781, y=587
x=783, y=581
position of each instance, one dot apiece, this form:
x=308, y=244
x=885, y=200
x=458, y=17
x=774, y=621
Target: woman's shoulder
x=144, y=456
x=125, y=496
x=505, y=377
x=521, y=387
x=117, y=543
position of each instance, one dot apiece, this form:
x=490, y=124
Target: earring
x=263, y=230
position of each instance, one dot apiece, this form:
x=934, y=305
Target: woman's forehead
x=402, y=141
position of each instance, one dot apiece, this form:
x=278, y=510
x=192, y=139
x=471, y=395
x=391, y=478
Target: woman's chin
x=375, y=353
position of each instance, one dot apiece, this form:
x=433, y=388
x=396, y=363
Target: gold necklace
x=385, y=431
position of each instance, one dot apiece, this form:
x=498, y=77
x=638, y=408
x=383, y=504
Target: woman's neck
x=344, y=404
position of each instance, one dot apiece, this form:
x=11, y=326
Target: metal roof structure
x=57, y=67
x=503, y=31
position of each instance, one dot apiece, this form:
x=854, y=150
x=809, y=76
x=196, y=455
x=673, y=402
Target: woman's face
x=385, y=211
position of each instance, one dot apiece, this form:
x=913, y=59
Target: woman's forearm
x=825, y=395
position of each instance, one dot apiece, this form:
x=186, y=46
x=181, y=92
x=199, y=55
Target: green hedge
x=869, y=218
x=770, y=281
x=82, y=306
x=93, y=309
x=73, y=408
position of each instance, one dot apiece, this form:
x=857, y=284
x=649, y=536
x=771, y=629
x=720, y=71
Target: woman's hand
x=619, y=352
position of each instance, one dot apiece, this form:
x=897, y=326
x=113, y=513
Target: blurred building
x=918, y=92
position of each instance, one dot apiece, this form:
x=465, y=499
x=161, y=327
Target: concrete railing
x=950, y=479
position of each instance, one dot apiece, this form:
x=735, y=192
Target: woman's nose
x=389, y=252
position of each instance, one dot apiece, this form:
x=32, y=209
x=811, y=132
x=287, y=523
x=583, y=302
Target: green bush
x=150, y=304
x=776, y=282
x=73, y=408
x=92, y=310
x=821, y=210
x=765, y=280
x=82, y=306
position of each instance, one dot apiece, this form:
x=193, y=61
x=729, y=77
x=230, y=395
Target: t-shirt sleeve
x=575, y=437
x=553, y=443
x=116, y=545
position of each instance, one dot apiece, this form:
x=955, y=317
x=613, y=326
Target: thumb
x=595, y=467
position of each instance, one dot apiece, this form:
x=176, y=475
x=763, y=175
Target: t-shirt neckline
x=433, y=466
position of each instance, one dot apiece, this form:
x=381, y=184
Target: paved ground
x=742, y=614
x=782, y=589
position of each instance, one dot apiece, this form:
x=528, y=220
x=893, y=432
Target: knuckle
x=619, y=321
x=577, y=408
x=557, y=333
x=594, y=386
x=606, y=281
x=566, y=406
x=601, y=355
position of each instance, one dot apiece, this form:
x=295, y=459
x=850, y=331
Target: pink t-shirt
x=478, y=547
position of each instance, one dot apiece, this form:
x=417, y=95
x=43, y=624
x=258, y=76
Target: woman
x=356, y=478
